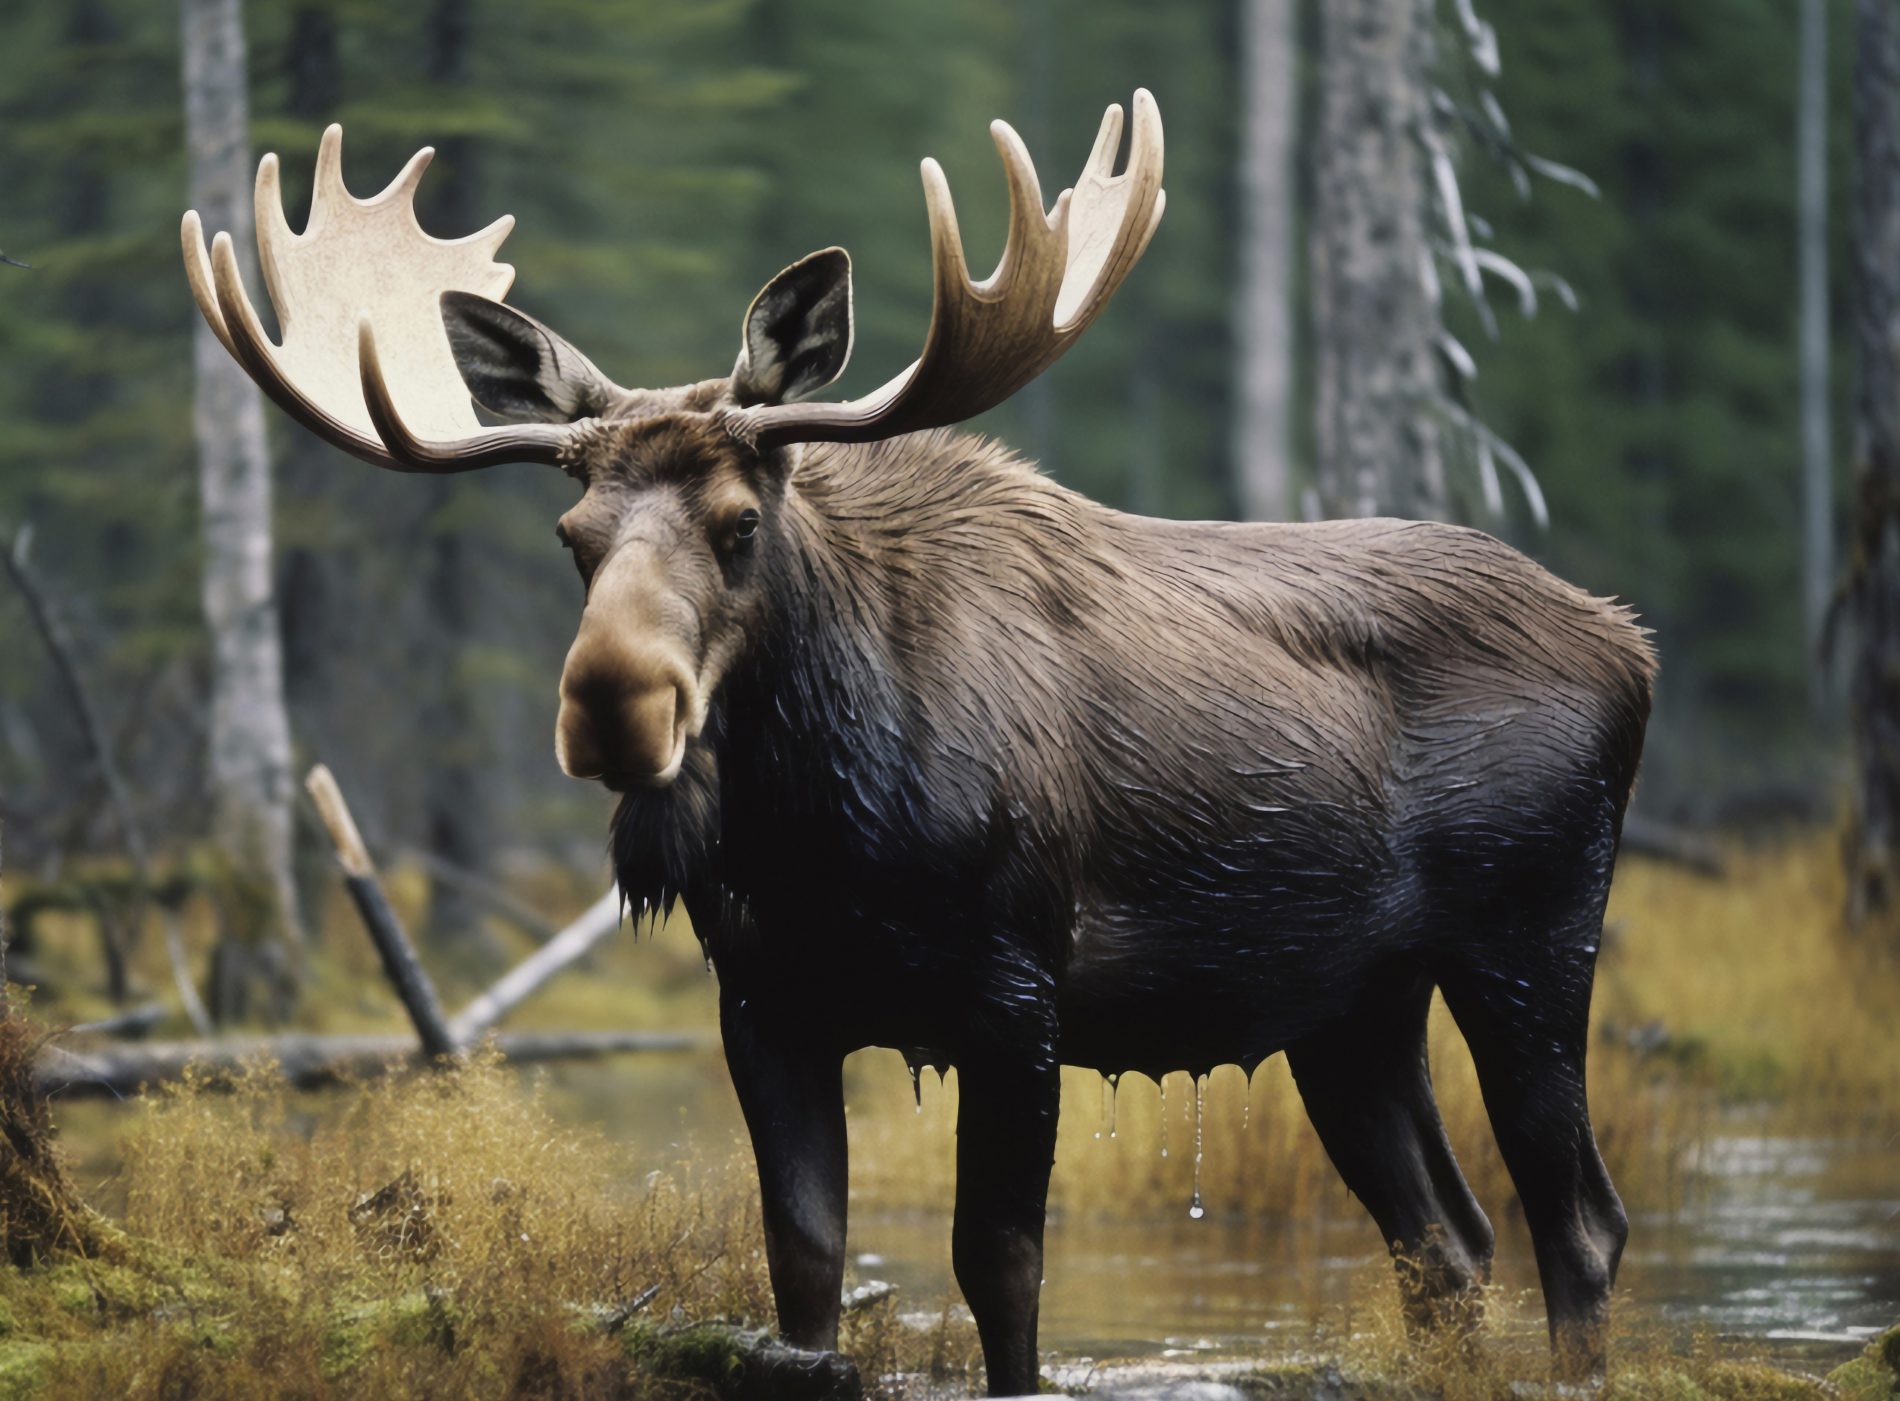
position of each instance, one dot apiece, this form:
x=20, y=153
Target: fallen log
x=310, y=1061
x=132, y=1024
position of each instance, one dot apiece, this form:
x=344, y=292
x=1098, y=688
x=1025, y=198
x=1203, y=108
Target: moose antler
x=988, y=339
x=357, y=263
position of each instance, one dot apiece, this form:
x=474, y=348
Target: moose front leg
x=792, y=1095
x=1006, y=1141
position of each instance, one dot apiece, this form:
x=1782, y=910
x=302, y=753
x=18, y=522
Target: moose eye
x=747, y=525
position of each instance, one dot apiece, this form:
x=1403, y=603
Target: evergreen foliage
x=664, y=160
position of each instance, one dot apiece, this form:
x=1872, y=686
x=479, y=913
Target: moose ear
x=797, y=332
x=518, y=369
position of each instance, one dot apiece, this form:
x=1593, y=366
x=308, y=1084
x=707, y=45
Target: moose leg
x=793, y=1099
x=1368, y=1090
x=1527, y=1027
x=1006, y=1140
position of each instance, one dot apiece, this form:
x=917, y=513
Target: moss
x=1874, y=1375
x=107, y=1289
x=23, y=1365
x=361, y=1329
x=713, y=1353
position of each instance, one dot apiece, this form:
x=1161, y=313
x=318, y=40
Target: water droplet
x=1114, y=1089
x=1164, y=1115
x=1246, y=1106
x=1195, y=1209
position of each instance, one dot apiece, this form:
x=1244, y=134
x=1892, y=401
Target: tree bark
x=250, y=775
x=1376, y=437
x=1817, y=462
x=1873, y=582
x=1263, y=435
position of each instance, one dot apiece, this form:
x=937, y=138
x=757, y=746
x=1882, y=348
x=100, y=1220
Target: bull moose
x=944, y=757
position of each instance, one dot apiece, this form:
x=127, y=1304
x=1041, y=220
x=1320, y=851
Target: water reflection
x=1789, y=1244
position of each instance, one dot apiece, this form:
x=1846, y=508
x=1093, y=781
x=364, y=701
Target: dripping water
x=1110, y=1084
x=916, y=1081
x=1164, y=1116
x=1195, y=1210
x=1246, y=1106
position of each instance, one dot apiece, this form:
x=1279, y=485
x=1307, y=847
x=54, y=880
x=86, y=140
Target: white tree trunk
x=1817, y=459
x=1376, y=438
x=1263, y=421
x=250, y=773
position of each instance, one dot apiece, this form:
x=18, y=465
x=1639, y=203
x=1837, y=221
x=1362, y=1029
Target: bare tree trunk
x=1376, y=436
x=1873, y=584
x=1817, y=463
x=250, y=774
x=1263, y=436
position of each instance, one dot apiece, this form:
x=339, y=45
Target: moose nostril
x=652, y=726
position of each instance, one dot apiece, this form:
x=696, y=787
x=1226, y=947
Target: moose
x=944, y=757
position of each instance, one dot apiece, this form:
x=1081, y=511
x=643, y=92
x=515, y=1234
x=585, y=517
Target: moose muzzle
x=629, y=701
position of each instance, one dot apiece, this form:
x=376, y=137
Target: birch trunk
x=1376, y=438
x=250, y=774
x=1263, y=424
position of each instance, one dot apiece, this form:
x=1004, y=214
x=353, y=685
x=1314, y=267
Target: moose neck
x=809, y=731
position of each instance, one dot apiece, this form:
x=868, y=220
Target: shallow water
x=1788, y=1245
x=1783, y=1251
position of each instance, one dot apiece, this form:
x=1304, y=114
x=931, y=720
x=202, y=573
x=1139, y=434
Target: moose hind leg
x=1526, y=1023
x=1368, y=1091
x=793, y=1098
x=1006, y=1140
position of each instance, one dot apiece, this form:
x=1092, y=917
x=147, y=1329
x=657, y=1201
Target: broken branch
x=405, y=970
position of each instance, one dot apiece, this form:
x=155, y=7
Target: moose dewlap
x=944, y=757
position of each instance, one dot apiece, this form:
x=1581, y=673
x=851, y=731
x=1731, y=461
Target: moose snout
x=626, y=713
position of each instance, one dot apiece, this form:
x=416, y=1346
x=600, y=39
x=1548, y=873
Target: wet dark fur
x=1010, y=779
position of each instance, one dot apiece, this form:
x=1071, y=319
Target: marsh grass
x=443, y=1236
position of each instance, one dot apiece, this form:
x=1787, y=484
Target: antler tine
x=191, y=235
x=520, y=442
x=1112, y=217
x=988, y=339
x=1028, y=243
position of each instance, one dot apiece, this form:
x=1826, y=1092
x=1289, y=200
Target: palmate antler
x=366, y=361
x=362, y=264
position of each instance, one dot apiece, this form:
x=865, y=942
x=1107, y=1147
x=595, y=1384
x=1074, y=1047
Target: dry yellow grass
x=443, y=1236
